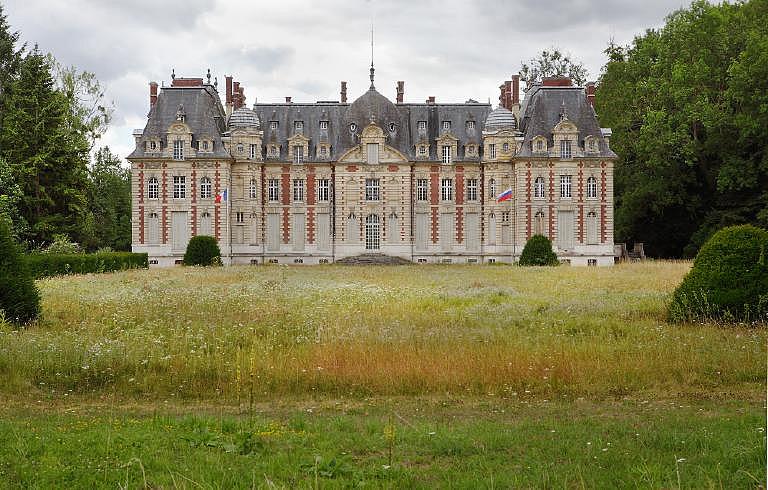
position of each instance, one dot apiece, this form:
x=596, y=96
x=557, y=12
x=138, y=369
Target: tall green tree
x=689, y=107
x=10, y=57
x=48, y=158
x=109, y=219
x=552, y=64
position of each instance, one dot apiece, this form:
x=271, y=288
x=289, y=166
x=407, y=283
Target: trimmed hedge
x=19, y=298
x=47, y=265
x=538, y=251
x=202, y=250
x=728, y=280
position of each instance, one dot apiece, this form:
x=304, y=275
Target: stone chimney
x=557, y=82
x=152, y=93
x=590, y=89
x=515, y=89
x=343, y=92
x=431, y=99
x=400, y=91
x=288, y=100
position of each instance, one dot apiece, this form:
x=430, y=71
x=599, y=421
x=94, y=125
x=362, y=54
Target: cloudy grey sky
x=452, y=49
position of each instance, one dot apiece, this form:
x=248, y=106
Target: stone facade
x=314, y=183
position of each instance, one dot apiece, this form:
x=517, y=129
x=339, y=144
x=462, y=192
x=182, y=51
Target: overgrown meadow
x=474, y=342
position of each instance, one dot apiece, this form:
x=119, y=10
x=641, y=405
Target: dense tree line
x=688, y=104
x=51, y=182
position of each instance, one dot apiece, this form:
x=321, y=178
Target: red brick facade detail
x=351, y=168
x=527, y=221
x=434, y=225
x=459, y=224
x=193, y=210
x=580, y=218
x=551, y=222
x=528, y=184
x=551, y=184
x=164, y=191
x=141, y=225
x=217, y=209
x=459, y=203
x=285, y=189
x=310, y=202
x=393, y=168
x=603, y=216
x=434, y=198
x=141, y=187
x=581, y=223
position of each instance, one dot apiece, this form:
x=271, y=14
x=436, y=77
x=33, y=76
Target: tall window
x=373, y=153
x=298, y=190
x=591, y=188
x=371, y=189
x=538, y=188
x=153, y=188
x=422, y=190
x=179, y=187
x=446, y=189
x=323, y=189
x=254, y=151
x=178, y=150
x=205, y=188
x=240, y=217
x=492, y=150
x=539, y=145
x=298, y=154
x=372, y=232
x=565, y=149
x=565, y=186
x=273, y=189
x=422, y=125
x=470, y=125
x=492, y=189
x=471, y=189
x=446, y=154
x=252, y=189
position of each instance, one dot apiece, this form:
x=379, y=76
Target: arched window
x=539, y=145
x=252, y=189
x=591, y=188
x=372, y=232
x=205, y=188
x=153, y=188
x=492, y=189
x=538, y=188
x=538, y=223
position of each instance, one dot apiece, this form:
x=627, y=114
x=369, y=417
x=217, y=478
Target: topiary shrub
x=202, y=250
x=19, y=298
x=729, y=279
x=538, y=251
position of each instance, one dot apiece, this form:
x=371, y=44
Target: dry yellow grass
x=328, y=330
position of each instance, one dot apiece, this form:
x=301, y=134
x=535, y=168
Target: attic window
x=422, y=125
x=353, y=127
x=273, y=125
x=205, y=145
x=239, y=147
x=153, y=145
x=446, y=125
x=391, y=127
x=422, y=150
x=470, y=125
x=323, y=124
x=505, y=147
x=298, y=126
x=539, y=145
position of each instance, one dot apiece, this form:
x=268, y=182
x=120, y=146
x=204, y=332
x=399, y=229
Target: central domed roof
x=244, y=118
x=372, y=107
x=500, y=118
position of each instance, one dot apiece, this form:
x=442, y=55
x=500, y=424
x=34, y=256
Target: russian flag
x=221, y=196
x=504, y=196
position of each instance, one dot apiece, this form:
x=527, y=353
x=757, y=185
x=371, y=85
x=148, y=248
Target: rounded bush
x=538, y=251
x=728, y=280
x=202, y=250
x=19, y=298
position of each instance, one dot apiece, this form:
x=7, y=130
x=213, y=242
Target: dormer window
x=323, y=124
x=540, y=145
x=422, y=125
x=273, y=150
x=446, y=125
x=153, y=145
x=178, y=150
x=298, y=126
x=254, y=151
x=492, y=151
x=373, y=153
x=422, y=150
x=565, y=149
x=470, y=125
x=352, y=128
x=392, y=127
x=273, y=125
x=240, y=148
x=505, y=147
x=323, y=152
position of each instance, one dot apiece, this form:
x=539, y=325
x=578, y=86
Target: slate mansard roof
x=541, y=111
x=205, y=115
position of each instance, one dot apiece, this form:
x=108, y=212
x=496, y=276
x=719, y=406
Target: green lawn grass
x=302, y=377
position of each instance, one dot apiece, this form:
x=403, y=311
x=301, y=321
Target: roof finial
x=372, y=70
x=173, y=73
x=563, y=111
x=208, y=75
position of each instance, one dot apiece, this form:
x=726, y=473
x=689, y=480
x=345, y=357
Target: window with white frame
x=178, y=150
x=153, y=188
x=205, y=188
x=492, y=189
x=273, y=190
x=422, y=150
x=254, y=151
x=204, y=145
x=298, y=154
x=422, y=125
x=239, y=217
x=470, y=125
x=565, y=186
x=323, y=190
x=538, y=188
x=273, y=125
x=373, y=153
x=565, y=149
x=179, y=187
x=446, y=125
x=492, y=151
x=471, y=189
x=153, y=145
x=298, y=126
x=422, y=190
x=539, y=145
x=372, y=189
x=240, y=148
x=298, y=190
x=323, y=124
x=252, y=189
x=446, y=154
x=446, y=190
x=505, y=216
x=591, y=188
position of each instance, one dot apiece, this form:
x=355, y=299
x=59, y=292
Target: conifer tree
x=19, y=298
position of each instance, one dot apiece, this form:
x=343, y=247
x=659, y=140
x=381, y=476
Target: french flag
x=504, y=196
x=221, y=196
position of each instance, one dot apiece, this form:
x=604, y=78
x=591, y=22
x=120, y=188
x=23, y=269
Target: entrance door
x=179, y=230
x=372, y=232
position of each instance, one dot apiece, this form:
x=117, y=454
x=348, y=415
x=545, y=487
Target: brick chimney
x=288, y=100
x=590, y=89
x=557, y=82
x=228, y=100
x=152, y=93
x=187, y=82
x=343, y=92
x=515, y=89
x=400, y=91
x=431, y=99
